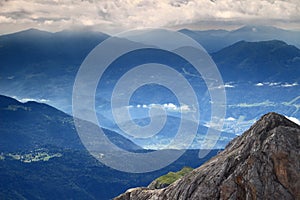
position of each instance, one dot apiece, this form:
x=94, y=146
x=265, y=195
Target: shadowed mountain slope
x=32, y=125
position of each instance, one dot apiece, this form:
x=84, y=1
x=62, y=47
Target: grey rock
x=157, y=185
x=262, y=163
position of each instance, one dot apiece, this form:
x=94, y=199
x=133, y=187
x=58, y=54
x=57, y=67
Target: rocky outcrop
x=263, y=163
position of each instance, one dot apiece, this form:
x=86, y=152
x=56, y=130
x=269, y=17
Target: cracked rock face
x=263, y=163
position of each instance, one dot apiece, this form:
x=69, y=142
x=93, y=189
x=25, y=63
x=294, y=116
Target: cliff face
x=263, y=163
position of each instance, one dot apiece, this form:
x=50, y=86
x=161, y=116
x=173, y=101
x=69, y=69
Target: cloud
x=237, y=126
x=110, y=15
x=276, y=84
x=273, y=84
x=289, y=84
x=225, y=85
x=24, y=100
x=4, y=19
x=228, y=85
x=294, y=119
x=259, y=84
x=168, y=107
x=258, y=104
x=270, y=84
x=230, y=119
x=174, y=108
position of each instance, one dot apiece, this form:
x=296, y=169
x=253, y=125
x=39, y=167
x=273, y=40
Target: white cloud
x=230, y=119
x=289, y=84
x=293, y=119
x=271, y=84
x=174, y=108
x=23, y=100
x=228, y=85
x=4, y=19
x=274, y=84
x=258, y=104
x=277, y=84
x=168, y=107
x=237, y=126
x=115, y=16
x=259, y=84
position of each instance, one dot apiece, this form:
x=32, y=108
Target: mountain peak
x=5, y=101
x=33, y=31
x=262, y=163
x=267, y=127
x=270, y=121
x=263, y=61
x=273, y=120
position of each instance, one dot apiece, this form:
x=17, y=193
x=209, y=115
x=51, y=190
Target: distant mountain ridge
x=215, y=40
x=47, y=63
x=41, y=157
x=44, y=64
x=32, y=125
x=65, y=47
x=40, y=65
x=263, y=163
x=165, y=136
x=259, y=61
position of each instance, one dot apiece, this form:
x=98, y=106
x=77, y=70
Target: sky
x=113, y=16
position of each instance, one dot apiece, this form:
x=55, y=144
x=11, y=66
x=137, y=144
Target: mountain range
x=43, y=65
x=262, y=163
x=32, y=125
x=47, y=64
x=42, y=157
x=263, y=61
x=215, y=40
x=163, y=138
